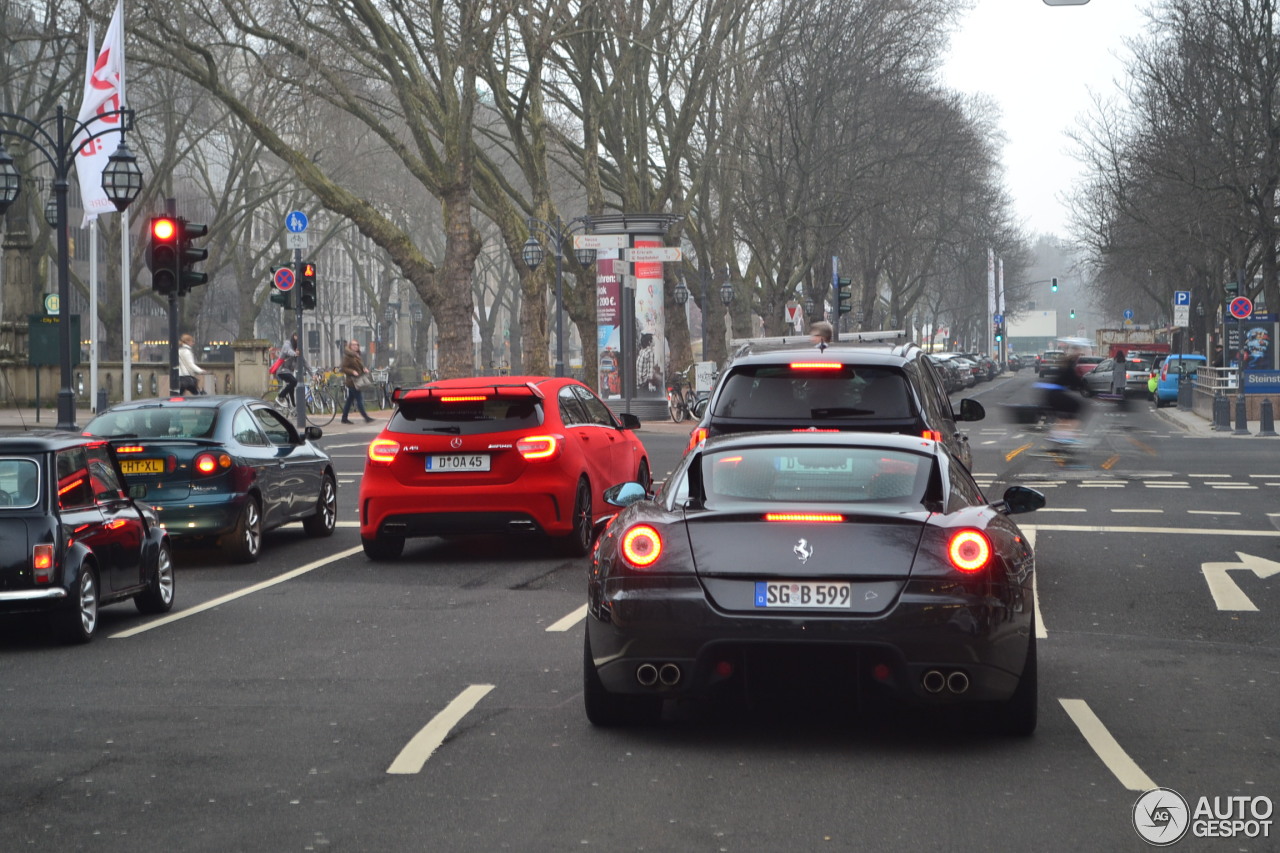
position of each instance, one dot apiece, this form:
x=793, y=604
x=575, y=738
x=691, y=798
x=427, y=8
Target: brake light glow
x=464, y=398
x=813, y=429
x=641, y=546
x=932, y=435
x=821, y=517
x=129, y=448
x=383, y=451
x=69, y=486
x=42, y=563
x=539, y=448
x=816, y=365
x=696, y=437
x=969, y=550
x=209, y=463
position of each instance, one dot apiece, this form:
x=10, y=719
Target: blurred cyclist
x=1061, y=395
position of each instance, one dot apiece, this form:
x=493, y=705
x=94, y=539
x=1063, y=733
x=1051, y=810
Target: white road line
x=1155, y=511
x=209, y=605
x=1208, y=476
x=1164, y=531
x=428, y=739
x=1100, y=485
x=1211, y=512
x=569, y=621
x=1062, y=509
x=1107, y=748
x=1150, y=485
x=1236, y=487
x=1041, y=632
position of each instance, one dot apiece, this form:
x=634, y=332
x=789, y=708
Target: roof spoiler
x=427, y=392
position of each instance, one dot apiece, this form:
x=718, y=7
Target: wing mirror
x=625, y=495
x=629, y=421
x=1018, y=499
x=314, y=433
x=971, y=410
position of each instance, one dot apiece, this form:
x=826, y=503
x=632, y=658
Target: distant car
x=1086, y=363
x=860, y=387
x=1170, y=370
x=1098, y=380
x=952, y=379
x=74, y=537
x=1048, y=361
x=832, y=561
x=1015, y=362
x=519, y=455
x=223, y=468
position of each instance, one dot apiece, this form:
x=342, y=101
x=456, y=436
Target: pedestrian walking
x=353, y=368
x=188, y=370
x=1118, y=374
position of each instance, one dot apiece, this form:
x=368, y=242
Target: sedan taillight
x=210, y=463
x=539, y=448
x=382, y=451
x=42, y=563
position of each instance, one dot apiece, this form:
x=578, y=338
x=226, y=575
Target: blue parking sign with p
x=1182, y=297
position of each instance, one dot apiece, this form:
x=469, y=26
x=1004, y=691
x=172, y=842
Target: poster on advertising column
x=651, y=328
x=609, y=329
x=1251, y=344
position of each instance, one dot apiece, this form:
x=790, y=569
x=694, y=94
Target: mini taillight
x=827, y=517
x=539, y=448
x=969, y=550
x=641, y=546
x=42, y=563
x=383, y=451
x=816, y=365
x=209, y=463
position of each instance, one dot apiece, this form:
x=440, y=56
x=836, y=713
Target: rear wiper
x=451, y=429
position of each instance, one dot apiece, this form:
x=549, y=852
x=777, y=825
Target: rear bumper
x=451, y=512
x=200, y=515
x=925, y=631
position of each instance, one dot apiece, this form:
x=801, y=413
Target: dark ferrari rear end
x=809, y=562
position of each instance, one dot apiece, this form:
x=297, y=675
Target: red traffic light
x=164, y=229
x=308, y=270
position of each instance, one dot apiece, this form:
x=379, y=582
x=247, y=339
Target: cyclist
x=1057, y=397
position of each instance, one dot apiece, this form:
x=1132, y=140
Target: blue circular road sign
x=296, y=222
x=1128, y=314
x=284, y=278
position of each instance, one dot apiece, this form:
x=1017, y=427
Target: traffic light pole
x=171, y=208
x=300, y=393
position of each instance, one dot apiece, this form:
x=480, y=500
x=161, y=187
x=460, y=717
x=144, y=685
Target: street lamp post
x=121, y=181
x=556, y=234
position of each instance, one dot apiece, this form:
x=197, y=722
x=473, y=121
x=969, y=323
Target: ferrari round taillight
x=969, y=550
x=209, y=463
x=383, y=451
x=641, y=546
x=538, y=448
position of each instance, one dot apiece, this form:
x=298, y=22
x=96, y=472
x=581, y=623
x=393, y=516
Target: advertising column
x=608, y=328
x=651, y=329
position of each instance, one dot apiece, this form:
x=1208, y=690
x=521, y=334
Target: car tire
x=643, y=476
x=322, y=522
x=1086, y=391
x=578, y=542
x=608, y=710
x=383, y=547
x=1018, y=716
x=78, y=623
x=246, y=539
x=158, y=596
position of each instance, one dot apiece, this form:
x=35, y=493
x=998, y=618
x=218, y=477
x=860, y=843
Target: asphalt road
x=317, y=701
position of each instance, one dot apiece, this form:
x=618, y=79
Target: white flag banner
x=103, y=93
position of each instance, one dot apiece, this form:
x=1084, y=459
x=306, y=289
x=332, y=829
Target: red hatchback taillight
x=382, y=451
x=969, y=550
x=540, y=448
x=42, y=563
x=641, y=546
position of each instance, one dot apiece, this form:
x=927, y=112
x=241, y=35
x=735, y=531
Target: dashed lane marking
x=1212, y=512
x=1161, y=531
x=416, y=752
x=1106, y=747
x=569, y=621
x=249, y=590
x=1041, y=632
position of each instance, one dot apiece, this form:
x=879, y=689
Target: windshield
x=19, y=482
x=803, y=475
x=156, y=422
x=783, y=392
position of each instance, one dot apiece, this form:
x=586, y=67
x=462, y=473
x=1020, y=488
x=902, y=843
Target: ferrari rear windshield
x=466, y=414
x=800, y=475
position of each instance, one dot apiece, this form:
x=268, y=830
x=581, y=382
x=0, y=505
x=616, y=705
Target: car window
x=102, y=475
x=467, y=414
x=802, y=475
x=19, y=483
x=597, y=412
x=571, y=410
x=278, y=431
x=933, y=397
x=785, y=393
x=156, y=422
x=73, y=479
x=244, y=428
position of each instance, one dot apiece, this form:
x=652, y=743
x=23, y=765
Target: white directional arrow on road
x=1225, y=593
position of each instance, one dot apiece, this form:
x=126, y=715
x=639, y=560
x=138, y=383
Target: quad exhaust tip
x=647, y=674
x=935, y=681
x=651, y=674
x=669, y=675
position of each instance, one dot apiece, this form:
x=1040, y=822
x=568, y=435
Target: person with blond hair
x=188, y=370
